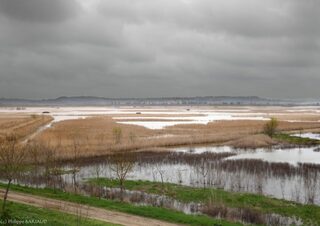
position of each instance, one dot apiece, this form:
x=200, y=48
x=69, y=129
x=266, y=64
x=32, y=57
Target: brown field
x=299, y=117
x=21, y=125
x=94, y=136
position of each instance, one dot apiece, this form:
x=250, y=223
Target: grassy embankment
x=21, y=214
x=263, y=204
x=145, y=211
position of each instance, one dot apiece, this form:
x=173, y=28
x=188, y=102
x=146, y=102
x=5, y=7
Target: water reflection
x=289, y=174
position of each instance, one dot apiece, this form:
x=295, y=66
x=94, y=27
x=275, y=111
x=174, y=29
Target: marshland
x=159, y=112
x=218, y=165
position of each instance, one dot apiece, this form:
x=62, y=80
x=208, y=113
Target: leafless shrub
x=34, y=150
x=121, y=167
x=52, y=167
x=12, y=159
x=75, y=162
x=161, y=172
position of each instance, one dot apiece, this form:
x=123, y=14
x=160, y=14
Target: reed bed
x=22, y=126
x=96, y=136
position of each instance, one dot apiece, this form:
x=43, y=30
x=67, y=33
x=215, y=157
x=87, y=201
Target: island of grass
x=296, y=140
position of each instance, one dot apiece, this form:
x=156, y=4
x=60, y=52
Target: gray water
x=295, y=183
x=291, y=174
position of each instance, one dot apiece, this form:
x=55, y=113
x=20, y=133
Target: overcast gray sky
x=150, y=48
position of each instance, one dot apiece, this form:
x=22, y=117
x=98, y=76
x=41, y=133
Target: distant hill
x=165, y=101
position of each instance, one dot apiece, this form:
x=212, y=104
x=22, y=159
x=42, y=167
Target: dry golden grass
x=252, y=141
x=95, y=135
x=299, y=117
x=21, y=125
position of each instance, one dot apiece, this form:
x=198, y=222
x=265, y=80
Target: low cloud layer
x=149, y=48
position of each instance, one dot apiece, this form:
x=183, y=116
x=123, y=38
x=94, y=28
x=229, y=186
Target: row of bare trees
x=16, y=160
x=122, y=165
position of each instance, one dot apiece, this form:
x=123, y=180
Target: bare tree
x=161, y=174
x=75, y=163
x=121, y=167
x=11, y=158
x=97, y=171
x=53, y=170
x=204, y=169
x=33, y=150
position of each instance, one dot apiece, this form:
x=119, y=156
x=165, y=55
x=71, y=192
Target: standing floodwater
x=292, y=174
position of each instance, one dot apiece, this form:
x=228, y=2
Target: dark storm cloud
x=124, y=48
x=39, y=10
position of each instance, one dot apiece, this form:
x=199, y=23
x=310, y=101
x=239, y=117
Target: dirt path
x=84, y=210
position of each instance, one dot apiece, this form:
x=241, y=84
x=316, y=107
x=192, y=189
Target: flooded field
x=315, y=136
x=293, y=178
x=160, y=113
x=159, y=118
x=180, y=146
x=262, y=171
x=291, y=174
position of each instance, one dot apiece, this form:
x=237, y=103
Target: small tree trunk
x=6, y=195
x=74, y=181
x=121, y=190
x=162, y=184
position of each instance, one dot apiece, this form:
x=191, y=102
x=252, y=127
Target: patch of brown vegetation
x=299, y=117
x=252, y=141
x=95, y=134
x=21, y=125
